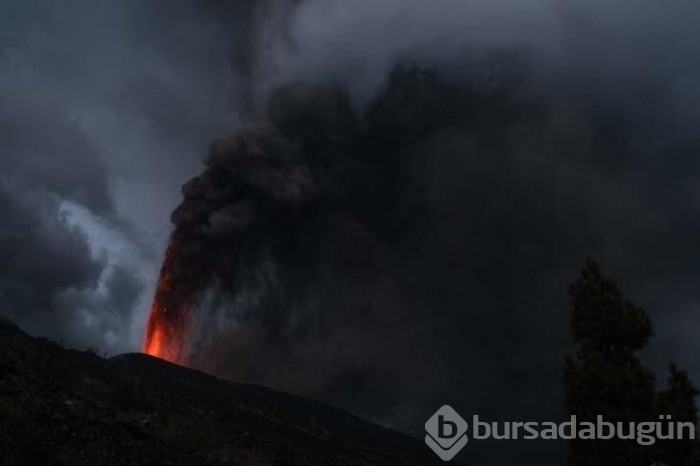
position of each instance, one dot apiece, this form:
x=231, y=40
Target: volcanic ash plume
x=256, y=186
x=333, y=254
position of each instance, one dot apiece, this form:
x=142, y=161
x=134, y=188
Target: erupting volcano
x=256, y=191
x=166, y=330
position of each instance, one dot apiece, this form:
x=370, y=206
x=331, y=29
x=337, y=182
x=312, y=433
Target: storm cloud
x=104, y=108
x=429, y=263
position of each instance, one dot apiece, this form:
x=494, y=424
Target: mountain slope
x=60, y=406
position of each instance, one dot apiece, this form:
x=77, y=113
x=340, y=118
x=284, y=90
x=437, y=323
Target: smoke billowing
x=417, y=250
x=385, y=238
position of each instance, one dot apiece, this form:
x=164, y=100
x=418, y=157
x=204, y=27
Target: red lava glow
x=166, y=331
x=163, y=340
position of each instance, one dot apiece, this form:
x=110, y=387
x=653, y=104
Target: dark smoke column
x=257, y=191
x=187, y=267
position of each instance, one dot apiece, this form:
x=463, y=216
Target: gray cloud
x=576, y=137
x=104, y=109
x=42, y=257
x=588, y=153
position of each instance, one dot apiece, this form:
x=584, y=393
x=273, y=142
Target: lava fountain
x=167, y=328
x=256, y=181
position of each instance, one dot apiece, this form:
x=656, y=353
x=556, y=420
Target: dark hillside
x=60, y=406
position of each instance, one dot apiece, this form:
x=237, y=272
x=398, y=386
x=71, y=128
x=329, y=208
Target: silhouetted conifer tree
x=605, y=378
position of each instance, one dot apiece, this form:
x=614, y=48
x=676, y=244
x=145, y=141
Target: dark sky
x=106, y=108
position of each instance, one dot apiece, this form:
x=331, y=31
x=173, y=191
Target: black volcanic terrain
x=61, y=406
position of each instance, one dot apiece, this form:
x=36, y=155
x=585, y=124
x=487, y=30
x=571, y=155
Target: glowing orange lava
x=162, y=339
x=166, y=331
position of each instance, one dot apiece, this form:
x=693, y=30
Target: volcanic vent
x=249, y=205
